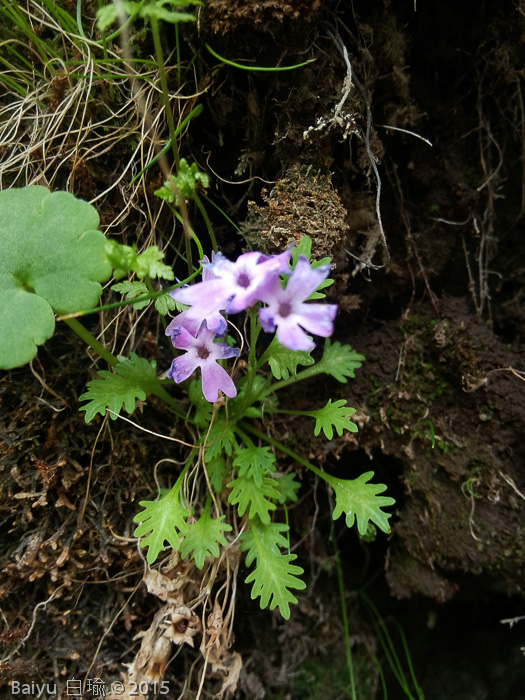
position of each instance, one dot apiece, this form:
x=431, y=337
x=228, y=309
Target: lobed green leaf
x=339, y=361
x=134, y=377
x=256, y=462
x=333, y=415
x=204, y=537
x=284, y=361
x=357, y=499
x=274, y=574
x=252, y=498
x=161, y=521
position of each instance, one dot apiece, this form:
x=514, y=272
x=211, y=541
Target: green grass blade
x=257, y=68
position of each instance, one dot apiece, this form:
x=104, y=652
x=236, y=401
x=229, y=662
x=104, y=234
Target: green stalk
x=194, y=113
x=105, y=51
x=221, y=211
x=207, y=221
x=90, y=340
x=255, y=329
x=304, y=374
x=344, y=615
x=169, y=118
x=164, y=86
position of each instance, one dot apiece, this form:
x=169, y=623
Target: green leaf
x=148, y=264
x=184, y=183
x=304, y=248
x=133, y=379
x=124, y=259
x=339, y=361
x=283, y=361
x=288, y=487
x=204, y=537
x=106, y=16
x=256, y=462
x=164, y=304
x=52, y=261
x=132, y=290
x=247, y=494
x=220, y=439
x=161, y=521
x=204, y=409
x=333, y=415
x=274, y=574
x=217, y=472
x=356, y=498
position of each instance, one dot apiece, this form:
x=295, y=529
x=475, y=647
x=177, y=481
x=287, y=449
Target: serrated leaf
x=161, y=521
x=203, y=408
x=325, y=283
x=148, y=264
x=339, y=361
x=133, y=379
x=283, y=361
x=220, y=439
x=53, y=260
x=204, y=537
x=333, y=415
x=184, y=183
x=288, y=487
x=132, y=290
x=304, y=248
x=256, y=462
x=357, y=499
x=165, y=15
x=217, y=472
x=164, y=304
x=249, y=497
x=274, y=574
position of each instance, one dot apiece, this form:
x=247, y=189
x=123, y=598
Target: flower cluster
x=232, y=287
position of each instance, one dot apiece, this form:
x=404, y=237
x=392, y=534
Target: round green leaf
x=53, y=260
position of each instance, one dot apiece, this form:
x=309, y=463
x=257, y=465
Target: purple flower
x=202, y=352
x=226, y=285
x=287, y=311
x=243, y=279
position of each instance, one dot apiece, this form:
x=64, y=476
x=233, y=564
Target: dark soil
x=431, y=293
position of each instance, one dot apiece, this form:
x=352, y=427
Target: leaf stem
x=93, y=343
x=285, y=450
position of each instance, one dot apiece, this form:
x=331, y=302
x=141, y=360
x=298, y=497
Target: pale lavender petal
x=267, y=320
x=223, y=351
x=316, y=318
x=214, y=377
x=182, y=339
x=188, y=319
x=210, y=294
x=218, y=264
x=194, y=317
x=292, y=337
x=271, y=290
x=304, y=280
x=276, y=263
x=182, y=367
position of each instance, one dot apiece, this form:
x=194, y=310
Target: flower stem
x=209, y=227
x=255, y=329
